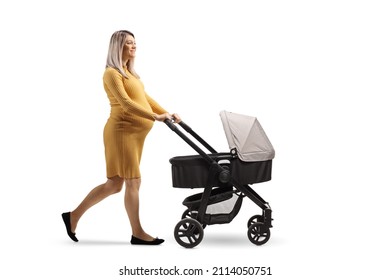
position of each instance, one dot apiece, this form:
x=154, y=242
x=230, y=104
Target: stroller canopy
x=245, y=134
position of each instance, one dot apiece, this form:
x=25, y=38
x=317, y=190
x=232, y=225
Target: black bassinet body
x=193, y=171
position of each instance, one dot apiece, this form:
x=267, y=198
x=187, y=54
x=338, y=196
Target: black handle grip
x=185, y=126
x=170, y=124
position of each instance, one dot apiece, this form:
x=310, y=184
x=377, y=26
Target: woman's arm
x=160, y=113
x=113, y=81
x=155, y=106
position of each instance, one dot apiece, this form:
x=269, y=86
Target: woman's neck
x=124, y=63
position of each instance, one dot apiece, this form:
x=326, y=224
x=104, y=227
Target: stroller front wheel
x=258, y=233
x=255, y=219
x=188, y=233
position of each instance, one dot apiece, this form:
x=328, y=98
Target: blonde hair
x=115, y=49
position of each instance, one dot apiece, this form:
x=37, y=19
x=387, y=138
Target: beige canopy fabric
x=247, y=137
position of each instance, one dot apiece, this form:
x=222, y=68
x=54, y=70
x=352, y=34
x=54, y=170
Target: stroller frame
x=220, y=185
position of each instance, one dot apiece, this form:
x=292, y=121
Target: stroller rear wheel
x=188, y=233
x=191, y=214
x=258, y=233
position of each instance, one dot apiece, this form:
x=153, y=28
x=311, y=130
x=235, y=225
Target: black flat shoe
x=137, y=241
x=66, y=218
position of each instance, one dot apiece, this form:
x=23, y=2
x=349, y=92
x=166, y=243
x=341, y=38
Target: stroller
x=225, y=178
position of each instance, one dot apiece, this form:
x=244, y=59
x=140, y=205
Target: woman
x=133, y=113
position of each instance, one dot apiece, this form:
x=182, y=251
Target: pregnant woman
x=133, y=113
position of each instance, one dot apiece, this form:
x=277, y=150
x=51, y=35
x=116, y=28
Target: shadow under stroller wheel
x=191, y=214
x=258, y=233
x=255, y=219
x=188, y=233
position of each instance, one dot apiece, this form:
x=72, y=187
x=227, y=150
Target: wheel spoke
x=190, y=238
x=193, y=229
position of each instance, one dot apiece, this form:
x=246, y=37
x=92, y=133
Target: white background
x=315, y=73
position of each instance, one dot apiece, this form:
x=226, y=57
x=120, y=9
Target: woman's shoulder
x=111, y=72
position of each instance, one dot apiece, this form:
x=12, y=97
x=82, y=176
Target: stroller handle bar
x=173, y=127
x=223, y=174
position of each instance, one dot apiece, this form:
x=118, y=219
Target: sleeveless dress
x=131, y=119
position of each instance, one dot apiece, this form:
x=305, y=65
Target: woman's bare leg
x=132, y=208
x=113, y=185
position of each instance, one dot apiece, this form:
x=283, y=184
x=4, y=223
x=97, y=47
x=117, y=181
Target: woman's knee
x=133, y=183
x=115, y=184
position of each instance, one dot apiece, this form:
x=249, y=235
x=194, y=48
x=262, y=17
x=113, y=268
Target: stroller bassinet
x=225, y=178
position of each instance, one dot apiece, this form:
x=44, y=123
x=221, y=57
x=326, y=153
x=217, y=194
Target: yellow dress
x=131, y=119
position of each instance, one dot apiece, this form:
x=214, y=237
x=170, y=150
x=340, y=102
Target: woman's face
x=129, y=48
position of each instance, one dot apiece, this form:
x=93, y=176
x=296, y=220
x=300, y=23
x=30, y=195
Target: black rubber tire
x=190, y=214
x=188, y=233
x=258, y=233
x=255, y=219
